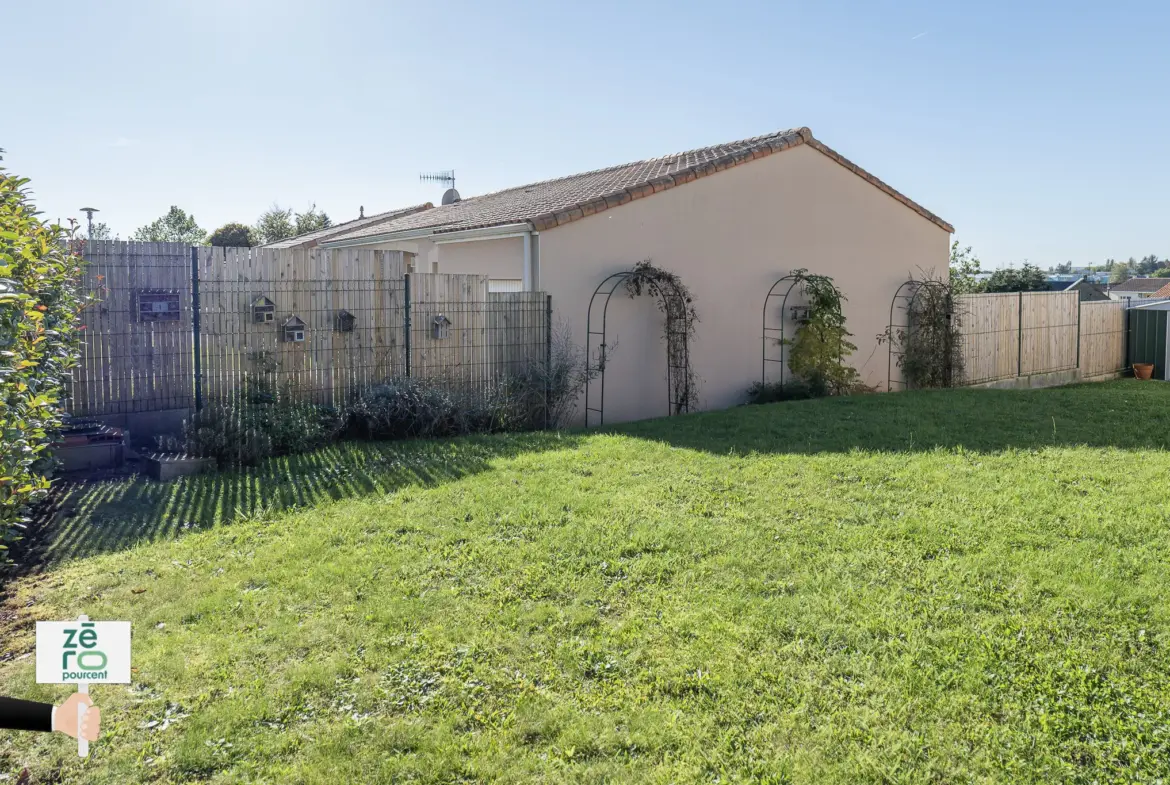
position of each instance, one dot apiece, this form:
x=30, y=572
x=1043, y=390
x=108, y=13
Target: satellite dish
x=451, y=196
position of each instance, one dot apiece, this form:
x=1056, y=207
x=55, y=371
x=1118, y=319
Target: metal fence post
x=406, y=320
x=195, y=328
x=1020, y=338
x=547, y=360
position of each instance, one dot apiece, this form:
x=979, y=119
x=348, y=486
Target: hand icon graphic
x=65, y=718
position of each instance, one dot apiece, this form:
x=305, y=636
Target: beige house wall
x=730, y=236
x=503, y=258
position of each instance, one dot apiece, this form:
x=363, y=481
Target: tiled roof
x=312, y=238
x=1164, y=291
x=1139, y=285
x=554, y=202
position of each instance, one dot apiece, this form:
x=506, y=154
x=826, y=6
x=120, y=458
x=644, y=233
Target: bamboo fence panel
x=1103, y=337
x=336, y=321
x=1049, y=328
x=989, y=325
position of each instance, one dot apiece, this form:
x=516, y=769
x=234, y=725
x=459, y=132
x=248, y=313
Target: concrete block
x=87, y=457
x=168, y=466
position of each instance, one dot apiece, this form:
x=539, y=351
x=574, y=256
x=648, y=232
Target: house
x=1136, y=288
x=1163, y=293
x=729, y=220
x=315, y=238
x=1090, y=292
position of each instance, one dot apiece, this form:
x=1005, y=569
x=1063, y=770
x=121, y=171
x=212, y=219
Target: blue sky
x=1040, y=130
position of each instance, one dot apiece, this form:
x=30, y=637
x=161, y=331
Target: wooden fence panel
x=336, y=321
x=135, y=352
x=332, y=322
x=989, y=324
x=1103, y=337
x=1049, y=329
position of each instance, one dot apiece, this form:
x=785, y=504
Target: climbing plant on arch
x=817, y=349
x=675, y=302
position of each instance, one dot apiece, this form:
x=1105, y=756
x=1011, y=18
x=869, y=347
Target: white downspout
x=527, y=271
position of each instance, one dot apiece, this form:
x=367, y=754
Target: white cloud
x=916, y=37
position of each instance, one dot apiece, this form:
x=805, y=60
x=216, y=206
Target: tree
x=312, y=220
x=1028, y=278
x=1148, y=264
x=232, y=235
x=274, y=224
x=174, y=227
x=1064, y=269
x=1120, y=272
x=964, y=269
x=1162, y=272
x=101, y=232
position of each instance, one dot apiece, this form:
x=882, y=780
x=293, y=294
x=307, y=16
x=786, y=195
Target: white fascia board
x=484, y=233
x=374, y=239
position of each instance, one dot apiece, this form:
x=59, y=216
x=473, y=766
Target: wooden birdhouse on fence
x=344, y=322
x=440, y=326
x=293, y=330
x=158, y=305
x=263, y=310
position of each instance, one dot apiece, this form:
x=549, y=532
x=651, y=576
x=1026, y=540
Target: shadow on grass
x=1125, y=414
x=88, y=518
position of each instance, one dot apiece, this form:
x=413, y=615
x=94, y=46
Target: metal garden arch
x=678, y=401
x=792, y=280
x=909, y=292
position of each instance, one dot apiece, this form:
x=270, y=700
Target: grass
x=963, y=586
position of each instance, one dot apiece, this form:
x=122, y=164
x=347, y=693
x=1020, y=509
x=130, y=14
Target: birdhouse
x=801, y=313
x=344, y=322
x=294, y=330
x=158, y=305
x=263, y=310
x=440, y=326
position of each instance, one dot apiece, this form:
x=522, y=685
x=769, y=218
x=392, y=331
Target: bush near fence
x=39, y=304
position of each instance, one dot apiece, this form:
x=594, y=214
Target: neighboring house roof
x=313, y=238
x=1164, y=291
x=551, y=203
x=1088, y=290
x=1139, y=285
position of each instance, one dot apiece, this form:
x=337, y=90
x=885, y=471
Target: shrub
x=796, y=390
x=545, y=395
x=417, y=408
x=39, y=310
x=247, y=433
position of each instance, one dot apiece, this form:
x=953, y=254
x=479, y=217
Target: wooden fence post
x=1020, y=335
x=195, y=325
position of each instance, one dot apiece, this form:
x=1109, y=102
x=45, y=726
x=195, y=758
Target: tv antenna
x=447, y=178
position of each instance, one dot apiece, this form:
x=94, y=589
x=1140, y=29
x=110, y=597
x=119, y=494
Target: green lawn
x=962, y=586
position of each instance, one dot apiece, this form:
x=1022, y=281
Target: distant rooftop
x=1144, y=285
x=312, y=238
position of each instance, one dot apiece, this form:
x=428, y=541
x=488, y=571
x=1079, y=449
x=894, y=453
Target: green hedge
x=39, y=312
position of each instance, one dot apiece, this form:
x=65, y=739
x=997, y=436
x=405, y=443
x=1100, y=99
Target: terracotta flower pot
x=1143, y=370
